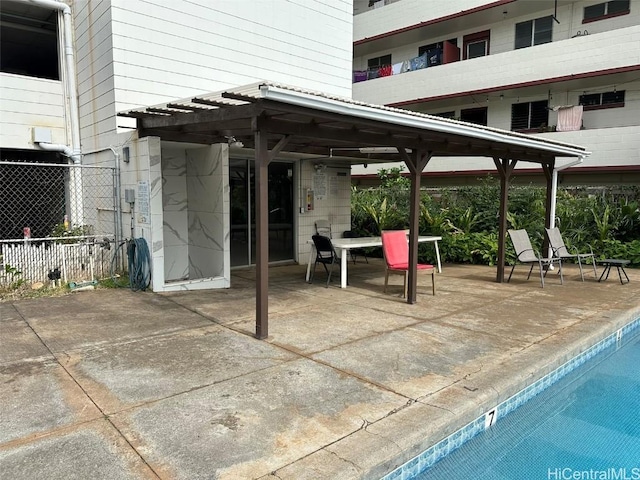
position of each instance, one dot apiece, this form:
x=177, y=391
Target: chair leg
x=531, y=270
x=560, y=268
x=404, y=287
x=512, y=268
x=313, y=272
x=329, y=273
x=541, y=274
x=433, y=281
x=595, y=271
x=580, y=267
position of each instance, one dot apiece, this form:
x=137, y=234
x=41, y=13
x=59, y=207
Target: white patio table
x=346, y=244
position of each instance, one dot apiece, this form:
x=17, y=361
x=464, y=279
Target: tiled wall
x=334, y=206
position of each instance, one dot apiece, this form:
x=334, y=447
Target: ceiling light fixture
x=231, y=140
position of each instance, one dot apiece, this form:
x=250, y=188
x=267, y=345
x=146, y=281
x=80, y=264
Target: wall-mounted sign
x=142, y=202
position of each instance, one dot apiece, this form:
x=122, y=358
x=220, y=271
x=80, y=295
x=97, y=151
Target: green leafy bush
x=606, y=219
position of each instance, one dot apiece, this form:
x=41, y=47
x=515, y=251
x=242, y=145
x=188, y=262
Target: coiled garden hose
x=139, y=264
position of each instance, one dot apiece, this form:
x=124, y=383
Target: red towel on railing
x=385, y=71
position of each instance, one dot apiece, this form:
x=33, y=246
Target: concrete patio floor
x=350, y=383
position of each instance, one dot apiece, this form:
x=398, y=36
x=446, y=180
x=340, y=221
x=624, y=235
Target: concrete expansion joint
x=409, y=402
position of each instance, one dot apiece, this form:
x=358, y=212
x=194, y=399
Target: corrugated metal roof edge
x=257, y=90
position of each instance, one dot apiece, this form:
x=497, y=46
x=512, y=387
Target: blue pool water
x=585, y=426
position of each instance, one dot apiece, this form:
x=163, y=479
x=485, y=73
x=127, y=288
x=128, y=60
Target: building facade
x=566, y=70
x=69, y=69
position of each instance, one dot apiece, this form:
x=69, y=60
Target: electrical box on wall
x=41, y=135
x=129, y=195
x=309, y=201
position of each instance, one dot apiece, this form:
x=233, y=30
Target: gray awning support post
x=505, y=167
x=416, y=162
x=262, y=159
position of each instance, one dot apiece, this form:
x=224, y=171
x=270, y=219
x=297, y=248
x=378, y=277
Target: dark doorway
x=242, y=205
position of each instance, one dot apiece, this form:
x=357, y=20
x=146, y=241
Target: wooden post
x=548, y=221
x=416, y=162
x=262, y=232
x=505, y=168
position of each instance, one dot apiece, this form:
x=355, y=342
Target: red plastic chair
x=395, y=248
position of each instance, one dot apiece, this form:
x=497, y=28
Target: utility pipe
x=71, y=91
x=554, y=186
x=554, y=192
x=71, y=87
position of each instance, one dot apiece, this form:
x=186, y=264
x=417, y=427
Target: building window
x=476, y=45
x=29, y=44
x=451, y=114
x=529, y=116
x=378, y=62
x=474, y=115
x=534, y=32
x=596, y=101
x=604, y=10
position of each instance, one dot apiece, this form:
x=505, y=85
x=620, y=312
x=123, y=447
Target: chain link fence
x=57, y=222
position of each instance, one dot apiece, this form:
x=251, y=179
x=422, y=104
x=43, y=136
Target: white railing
x=53, y=263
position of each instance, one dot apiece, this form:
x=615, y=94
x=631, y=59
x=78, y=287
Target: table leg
x=343, y=267
x=625, y=274
x=312, y=255
x=438, y=256
x=606, y=270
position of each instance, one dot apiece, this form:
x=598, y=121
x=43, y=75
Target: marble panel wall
x=175, y=231
x=207, y=211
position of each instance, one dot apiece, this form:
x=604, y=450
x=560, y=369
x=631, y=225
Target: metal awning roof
x=320, y=124
x=273, y=118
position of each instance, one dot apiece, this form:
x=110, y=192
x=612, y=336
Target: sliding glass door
x=242, y=203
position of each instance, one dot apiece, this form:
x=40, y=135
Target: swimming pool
x=584, y=426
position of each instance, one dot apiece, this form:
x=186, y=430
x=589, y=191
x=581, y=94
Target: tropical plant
x=15, y=277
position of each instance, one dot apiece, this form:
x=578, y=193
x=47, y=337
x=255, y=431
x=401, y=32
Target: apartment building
x=564, y=70
x=69, y=68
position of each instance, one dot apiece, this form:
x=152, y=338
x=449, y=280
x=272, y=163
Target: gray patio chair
x=560, y=250
x=323, y=227
x=526, y=254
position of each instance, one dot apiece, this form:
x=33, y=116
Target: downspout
x=554, y=185
x=74, y=153
x=554, y=192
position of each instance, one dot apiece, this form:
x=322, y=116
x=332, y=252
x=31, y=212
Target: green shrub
x=606, y=219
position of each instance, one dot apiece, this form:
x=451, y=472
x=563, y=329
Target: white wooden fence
x=38, y=260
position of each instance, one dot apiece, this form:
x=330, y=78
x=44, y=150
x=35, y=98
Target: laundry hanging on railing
x=417, y=63
x=359, y=76
x=385, y=71
x=569, y=118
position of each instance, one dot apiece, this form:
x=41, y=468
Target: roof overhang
x=318, y=124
